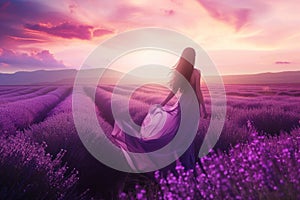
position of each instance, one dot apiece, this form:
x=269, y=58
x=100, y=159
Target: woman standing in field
x=162, y=121
x=185, y=67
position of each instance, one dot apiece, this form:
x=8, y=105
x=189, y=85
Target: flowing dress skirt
x=158, y=128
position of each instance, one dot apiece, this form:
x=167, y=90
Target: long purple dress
x=158, y=128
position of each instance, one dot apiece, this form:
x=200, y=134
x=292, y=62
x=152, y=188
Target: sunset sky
x=241, y=37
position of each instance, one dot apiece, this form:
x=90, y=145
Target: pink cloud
x=169, y=12
x=282, y=62
x=101, y=31
x=35, y=60
x=227, y=13
x=64, y=30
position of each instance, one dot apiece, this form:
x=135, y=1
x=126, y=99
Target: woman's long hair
x=185, y=67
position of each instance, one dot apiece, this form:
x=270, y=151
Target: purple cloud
x=36, y=60
x=64, y=30
x=14, y=14
x=17, y=17
x=282, y=62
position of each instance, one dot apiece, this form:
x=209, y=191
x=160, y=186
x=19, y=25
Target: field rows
x=45, y=115
x=27, y=106
x=27, y=94
x=18, y=115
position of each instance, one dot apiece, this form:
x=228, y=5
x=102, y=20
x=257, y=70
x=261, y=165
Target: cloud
x=227, y=13
x=35, y=60
x=28, y=21
x=100, y=32
x=282, y=62
x=13, y=16
x=169, y=12
x=64, y=30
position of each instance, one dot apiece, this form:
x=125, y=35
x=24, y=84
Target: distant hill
x=41, y=77
x=287, y=77
x=36, y=77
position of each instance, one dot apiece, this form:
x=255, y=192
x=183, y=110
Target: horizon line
x=64, y=69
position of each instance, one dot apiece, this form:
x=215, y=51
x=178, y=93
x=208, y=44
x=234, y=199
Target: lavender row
x=25, y=91
x=5, y=88
x=64, y=106
x=58, y=131
x=33, y=93
x=12, y=90
x=19, y=115
x=103, y=100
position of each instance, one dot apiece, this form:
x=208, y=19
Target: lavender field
x=42, y=156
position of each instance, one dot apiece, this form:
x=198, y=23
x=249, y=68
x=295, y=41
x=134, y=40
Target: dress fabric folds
x=158, y=128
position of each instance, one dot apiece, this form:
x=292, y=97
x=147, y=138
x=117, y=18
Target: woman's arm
x=172, y=93
x=199, y=93
x=169, y=97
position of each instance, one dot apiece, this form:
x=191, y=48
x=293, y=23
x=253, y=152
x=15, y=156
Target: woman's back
x=195, y=79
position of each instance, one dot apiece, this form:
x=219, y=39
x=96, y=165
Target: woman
x=185, y=67
x=162, y=121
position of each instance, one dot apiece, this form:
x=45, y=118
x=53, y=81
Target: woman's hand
x=170, y=96
x=158, y=105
